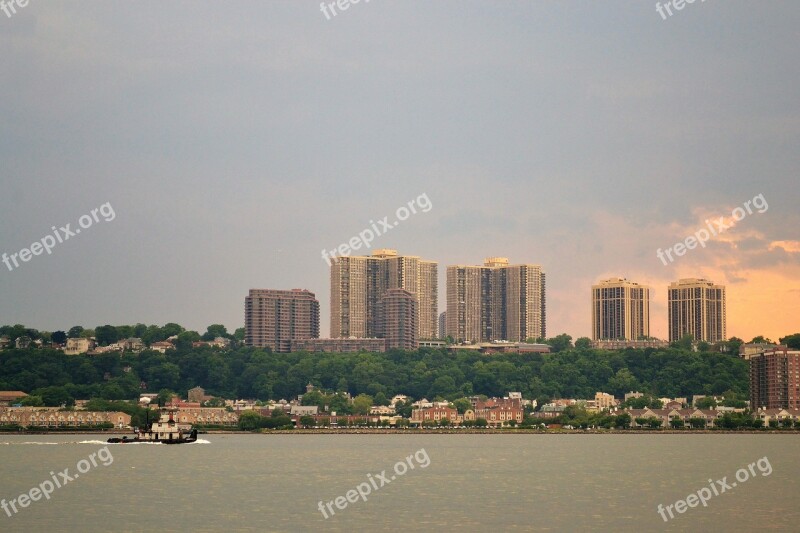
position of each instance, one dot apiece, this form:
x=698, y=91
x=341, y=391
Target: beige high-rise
x=620, y=310
x=697, y=307
x=358, y=283
x=496, y=301
x=275, y=318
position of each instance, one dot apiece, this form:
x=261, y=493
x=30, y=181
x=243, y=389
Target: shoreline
x=441, y=431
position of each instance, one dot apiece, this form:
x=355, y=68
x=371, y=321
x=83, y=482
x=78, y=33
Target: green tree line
x=257, y=373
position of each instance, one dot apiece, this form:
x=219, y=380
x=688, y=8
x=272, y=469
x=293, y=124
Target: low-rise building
x=435, y=414
x=345, y=345
x=501, y=347
x=431, y=344
x=22, y=342
x=76, y=346
x=708, y=416
x=55, y=417
x=162, y=346
x=10, y=397
x=767, y=415
x=620, y=344
x=132, y=344
x=206, y=416
x=382, y=410
x=604, y=401
x=750, y=349
x=304, y=410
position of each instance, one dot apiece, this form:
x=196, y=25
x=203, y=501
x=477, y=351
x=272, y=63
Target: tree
x=760, y=340
x=32, y=401
x=362, y=404
x=583, y=343
x=462, y=405
x=622, y=382
x=623, y=421
x=75, y=332
x=314, y=397
x=792, y=341
x=164, y=397
x=307, y=421
x=654, y=422
x=58, y=337
x=697, y=422
x=642, y=402
x=55, y=396
x=560, y=343
x=215, y=330
x=706, y=403
x=188, y=337
x=676, y=422
x=481, y=422
x=239, y=334
x=106, y=335
x=380, y=399
x=250, y=420
x=685, y=343
x=171, y=329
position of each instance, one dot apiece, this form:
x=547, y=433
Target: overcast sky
x=236, y=140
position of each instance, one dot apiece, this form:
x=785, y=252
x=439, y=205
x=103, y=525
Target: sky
x=236, y=141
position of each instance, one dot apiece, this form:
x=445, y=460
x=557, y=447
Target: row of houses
x=708, y=416
x=54, y=417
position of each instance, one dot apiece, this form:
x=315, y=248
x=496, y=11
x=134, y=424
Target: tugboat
x=166, y=431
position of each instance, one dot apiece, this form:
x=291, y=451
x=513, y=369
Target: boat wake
x=31, y=443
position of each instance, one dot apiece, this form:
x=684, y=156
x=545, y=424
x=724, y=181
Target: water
x=472, y=483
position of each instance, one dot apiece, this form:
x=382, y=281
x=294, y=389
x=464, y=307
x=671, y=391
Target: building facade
x=397, y=319
x=496, y=301
x=775, y=379
x=349, y=345
x=697, y=307
x=274, y=318
x=55, y=417
x=620, y=310
x=358, y=283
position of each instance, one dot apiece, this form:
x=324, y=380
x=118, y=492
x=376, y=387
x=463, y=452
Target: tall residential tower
x=358, y=284
x=496, y=301
x=697, y=307
x=620, y=310
x=274, y=318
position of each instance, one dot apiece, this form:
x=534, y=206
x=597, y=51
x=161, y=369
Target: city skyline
x=528, y=137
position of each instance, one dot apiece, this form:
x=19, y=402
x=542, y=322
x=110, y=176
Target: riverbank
x=441, y=431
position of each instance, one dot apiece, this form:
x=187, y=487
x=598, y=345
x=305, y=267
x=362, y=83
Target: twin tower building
x=395, y=298
x=621, y=310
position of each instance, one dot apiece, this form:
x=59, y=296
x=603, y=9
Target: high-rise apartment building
x=697, y=307
x=397, y=319
x=620, y=310
x=496, y=301
x=274, y=318
x=358, y=284
x=775, y=379
x=442, y=324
